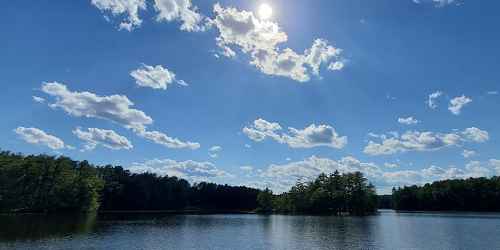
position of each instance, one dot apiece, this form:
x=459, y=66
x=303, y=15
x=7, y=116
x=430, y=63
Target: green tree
x=265, y=201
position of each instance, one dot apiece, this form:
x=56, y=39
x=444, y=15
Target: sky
x=260, y=93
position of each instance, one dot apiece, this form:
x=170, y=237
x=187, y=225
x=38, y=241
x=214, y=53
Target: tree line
x=42, y=183
x=45, y=183
x=334, y=194
x=472, y=194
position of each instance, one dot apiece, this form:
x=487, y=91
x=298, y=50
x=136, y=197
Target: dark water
x=388, y=230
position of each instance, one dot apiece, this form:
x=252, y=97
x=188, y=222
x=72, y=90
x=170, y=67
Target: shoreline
x=173, y=212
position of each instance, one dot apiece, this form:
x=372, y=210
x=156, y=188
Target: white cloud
x=167, y=11
x=192, y=171
x=493, y=92
x=457, y=103
x=38, y=99
x=280, y=177
x=214, y=151
x=438, y=3
x=321, y=53
x=179, y=10
x=107, y=138
x=115, y=108
x=424, y=141
x=495, y=164
x=182, y=83
x=334, y=66
x=260, y=39
x=165, y=140
x=128, y=8
x=155, y=77
x=468, y=153
x=432, y=100
x=408, y=121
x=40, y=137
x=476, y=135
x=311, y=136
x=247, y=168
x=391, y=165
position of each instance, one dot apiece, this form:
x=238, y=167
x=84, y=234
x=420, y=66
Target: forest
x=472, y=194
x=42, y=183
x=58, y=184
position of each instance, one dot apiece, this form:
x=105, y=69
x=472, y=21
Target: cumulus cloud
x=468, y=153
x=115, y=108
x=457, y=103
x=260, y=39
x=476, y=135
x=213, y=152
x=107, y=138
x=167, y=11
x=408, y=121
x=127, y=8
x=280, y=177
x=309, y=137
x=432, y=99
x=156, y=77
x=334, y=66
x=190, y=170
x=423, y=141
x=180, y=10
x=40, y=137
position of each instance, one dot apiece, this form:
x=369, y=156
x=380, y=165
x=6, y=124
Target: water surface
x=388, y=230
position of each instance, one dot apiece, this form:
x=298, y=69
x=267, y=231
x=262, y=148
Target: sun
x=265, y=11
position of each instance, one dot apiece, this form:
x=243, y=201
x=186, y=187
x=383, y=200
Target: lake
x=387, y=230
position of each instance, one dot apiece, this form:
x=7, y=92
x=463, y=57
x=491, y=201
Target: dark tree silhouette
x=51, y=184
x=473, y=194
x=334, y=194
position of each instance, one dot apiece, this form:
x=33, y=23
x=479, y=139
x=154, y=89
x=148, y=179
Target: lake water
x=388, y=230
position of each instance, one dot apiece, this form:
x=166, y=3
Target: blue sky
x=216, y=87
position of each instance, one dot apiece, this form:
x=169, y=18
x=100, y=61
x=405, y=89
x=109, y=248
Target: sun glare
x=265, y=11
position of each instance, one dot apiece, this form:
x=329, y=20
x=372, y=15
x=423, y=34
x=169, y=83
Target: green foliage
x=45, y=183
x=49, y=184
x=473, y=194
x=334, y=194
x=265, y=201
